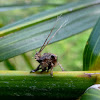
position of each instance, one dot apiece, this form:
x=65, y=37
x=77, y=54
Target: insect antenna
x=64, y=23
x=49, y=35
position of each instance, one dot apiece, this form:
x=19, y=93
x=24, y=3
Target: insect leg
x=32, y=71
x=61, y=66
x=51, y=73
x=48, y=68
x=43, y=69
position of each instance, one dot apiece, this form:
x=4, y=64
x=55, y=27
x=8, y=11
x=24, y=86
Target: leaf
x=91, y=59
x=61, y=85
x=13, y=7
x=31, y=32
x=71, y=7
x=23, y=6
x=9, y=65
x=92, y=93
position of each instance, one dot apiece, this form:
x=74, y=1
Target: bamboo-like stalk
x=66, y=84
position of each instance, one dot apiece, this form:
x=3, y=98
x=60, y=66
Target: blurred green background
x=69, y=51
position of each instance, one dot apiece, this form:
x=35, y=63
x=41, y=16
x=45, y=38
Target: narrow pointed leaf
x=23, y=6
x=71, y=7
x=13, y=7
x=91, y=60
x=30, y=33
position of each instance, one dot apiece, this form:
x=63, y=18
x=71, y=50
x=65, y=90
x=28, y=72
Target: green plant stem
x=67, y=84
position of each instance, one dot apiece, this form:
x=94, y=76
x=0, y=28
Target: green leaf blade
x=91, y=60
x=27, y=22
x=91, y=94
x=32, y=36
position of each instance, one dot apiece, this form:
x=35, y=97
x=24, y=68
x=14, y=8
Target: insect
x=48, y=60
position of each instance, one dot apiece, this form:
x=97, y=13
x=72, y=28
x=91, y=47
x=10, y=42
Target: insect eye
x=52, y=56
